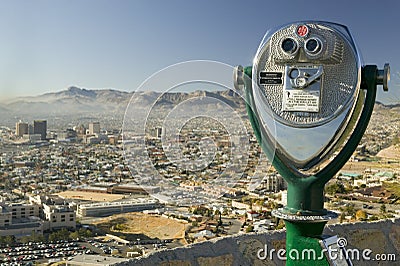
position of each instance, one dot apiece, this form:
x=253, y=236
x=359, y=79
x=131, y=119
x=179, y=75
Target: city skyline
x=50, y=46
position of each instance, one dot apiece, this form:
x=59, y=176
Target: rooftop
x=94, y=260
x=119, y=203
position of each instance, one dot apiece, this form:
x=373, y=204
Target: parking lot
x=102, y=248
x=39, y=252
x=21, y=254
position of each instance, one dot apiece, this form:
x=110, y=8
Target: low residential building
x=252, y=215
x=263, y=225
x=205, y=234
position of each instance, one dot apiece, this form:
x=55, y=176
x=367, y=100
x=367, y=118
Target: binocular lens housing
x=313, y=46
x=289, y=45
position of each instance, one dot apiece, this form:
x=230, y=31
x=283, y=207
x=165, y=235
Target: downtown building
x=94, y=128
x=40, y=128
x=21, y=129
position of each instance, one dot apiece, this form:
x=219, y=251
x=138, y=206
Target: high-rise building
x=30, y=129
x=21, y=129
x=40, y=127
x=94, y=128
x=159, y=132
x=156, y=132
x=80, y=130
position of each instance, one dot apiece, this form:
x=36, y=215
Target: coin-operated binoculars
x=309, y=99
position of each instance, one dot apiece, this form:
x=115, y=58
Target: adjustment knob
x=383, y=77
x=238, y=78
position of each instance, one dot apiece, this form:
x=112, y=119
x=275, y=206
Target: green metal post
x=306, y=194
x=302, y=244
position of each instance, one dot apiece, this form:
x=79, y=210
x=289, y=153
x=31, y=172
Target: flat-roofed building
x=32, y=137
x=23, y=227
x=93, y=260
x=109, y=208
x=59, y=216
x=16, y=220
x=5, y=217
x=23, y=210
x=134, y=189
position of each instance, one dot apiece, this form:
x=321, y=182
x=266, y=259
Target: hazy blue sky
x=49, y=45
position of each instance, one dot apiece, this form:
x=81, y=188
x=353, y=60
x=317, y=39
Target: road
x=233, y=228
x=376, y=207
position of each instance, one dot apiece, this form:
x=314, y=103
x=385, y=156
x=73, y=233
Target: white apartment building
x=23, y=210
x=42, y=214
x=5, y=217
x=20, y=220
x=58, y=216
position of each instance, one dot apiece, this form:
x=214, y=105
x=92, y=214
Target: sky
x=47, y=46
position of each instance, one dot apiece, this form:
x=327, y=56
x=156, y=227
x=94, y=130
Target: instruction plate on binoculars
x=301, y=101
x=302, y=89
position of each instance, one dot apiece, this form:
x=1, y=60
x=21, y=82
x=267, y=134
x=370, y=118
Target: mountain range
x=76, y=105
x=75, y=101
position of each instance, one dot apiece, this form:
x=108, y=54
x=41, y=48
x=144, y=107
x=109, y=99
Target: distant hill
x=392, y=152
x=3, y=109
x=396, y=105
x=73, y=100
x=76, y=105
x=76, y=100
